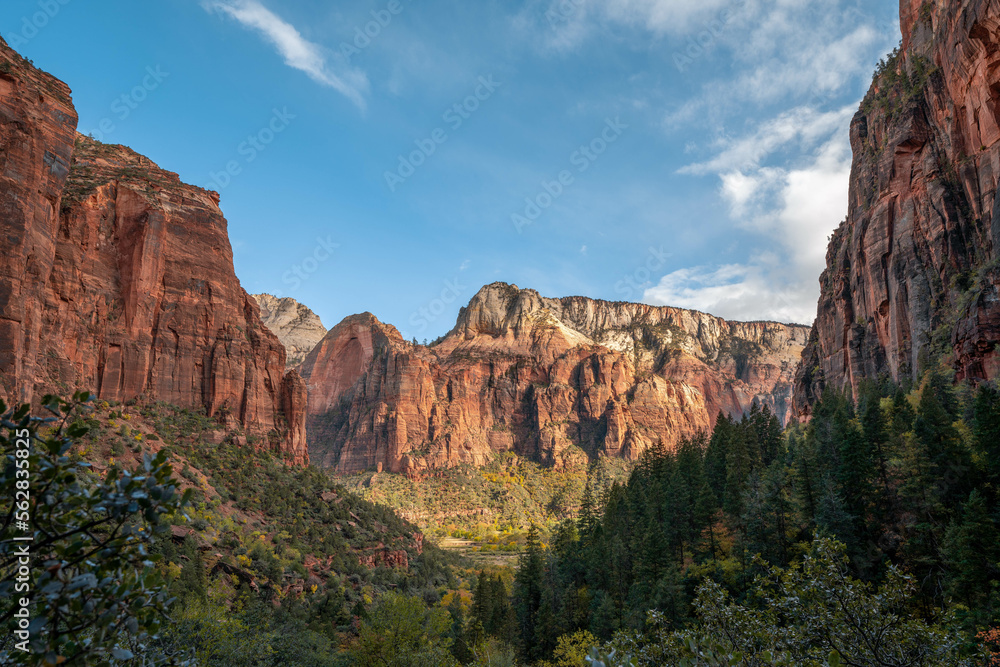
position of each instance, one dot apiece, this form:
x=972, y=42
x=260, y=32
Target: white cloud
x=794, y=210
x=663, y=16
x=734, y=291
x=299, y=53
x=803, y=126
x=784, y=52
x=564, y=25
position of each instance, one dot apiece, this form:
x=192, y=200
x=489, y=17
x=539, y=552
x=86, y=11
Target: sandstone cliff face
x=37, y=130
x=912, y=274
x=558, y=380
x=298, y=328
x=120, y=279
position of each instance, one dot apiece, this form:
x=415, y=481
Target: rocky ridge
x=913, y=274
x=298, y=328
x=557, y=380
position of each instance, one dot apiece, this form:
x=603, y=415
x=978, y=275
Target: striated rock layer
x=37, y=131
x=298, y=328
x=913, y=273
x=557, y=380
x=119, y=278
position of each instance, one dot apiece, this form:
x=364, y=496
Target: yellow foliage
x=572, y=649
x=172, y=571
x=464, y=599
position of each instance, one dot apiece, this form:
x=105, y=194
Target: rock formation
x=298, y=328
x=557, y=380
x=913, y=273
x=37, y=131
x=119, y=278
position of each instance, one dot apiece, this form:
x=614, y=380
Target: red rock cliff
x=552, y=379
x=912, y=274
x=37, y=130
x=121, y=281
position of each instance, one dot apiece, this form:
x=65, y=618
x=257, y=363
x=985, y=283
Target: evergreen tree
x=769, y=436
x=739, y=464
x=718, y=452
x=589, y=514
x=459, y=645
x=528, y=595
x=805, y=477
x=986, y=429
x=972, y=551
x=940, y=442
x=482, y=603
x=501, y=622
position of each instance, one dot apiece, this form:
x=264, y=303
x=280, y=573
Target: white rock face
x=298, y=328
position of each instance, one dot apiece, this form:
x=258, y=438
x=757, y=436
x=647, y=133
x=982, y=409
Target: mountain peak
x=297, y=327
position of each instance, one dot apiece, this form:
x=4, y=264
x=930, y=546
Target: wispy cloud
x=663, y=16
x=322, y=66
x=795, y=210
x=786, y=177
x=734, y=291
x=803, y=126
x=565, y=25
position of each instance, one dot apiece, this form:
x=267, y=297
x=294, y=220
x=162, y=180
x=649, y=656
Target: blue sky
x=394, y=156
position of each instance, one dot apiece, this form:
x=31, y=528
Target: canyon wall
x=37, y=132
x=119, y=278
x=913, y=273
x=556, y=380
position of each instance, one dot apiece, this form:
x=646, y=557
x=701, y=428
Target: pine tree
x=856, y=477
x=501, y=622
x=739, y=464
x=986, y=429
x=769, y=438
x=589, y=516
x=482, y=603
x=718, y=452
x=459, y=647
x=972, y=552
x=941, y=443
x=805, y=477
x=528, y=595
x=699, y=496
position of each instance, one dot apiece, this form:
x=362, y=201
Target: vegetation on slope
x=493, y=505
x=268, y=564
x=719, y=541
x=871, y=536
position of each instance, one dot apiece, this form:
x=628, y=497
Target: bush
x=95, y=593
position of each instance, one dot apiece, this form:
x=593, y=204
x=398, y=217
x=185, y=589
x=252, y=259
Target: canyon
x=122, y=283
x=118, y=278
